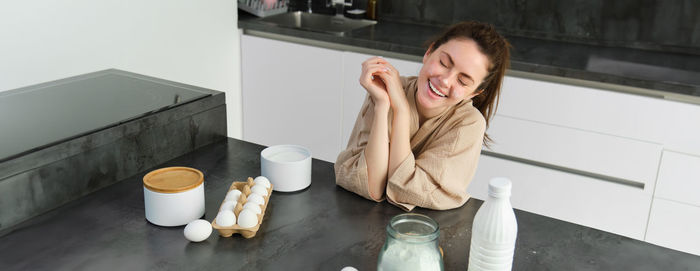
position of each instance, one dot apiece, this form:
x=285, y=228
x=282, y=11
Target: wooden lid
x=173, y=179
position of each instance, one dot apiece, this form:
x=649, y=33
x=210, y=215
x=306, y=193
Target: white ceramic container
x=173, y=196
x=288, y=167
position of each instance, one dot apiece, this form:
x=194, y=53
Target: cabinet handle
x=606, y=178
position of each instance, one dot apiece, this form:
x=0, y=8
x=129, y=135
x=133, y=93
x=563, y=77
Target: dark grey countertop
x=320, y=228
x=664, y=73
x=64, y=109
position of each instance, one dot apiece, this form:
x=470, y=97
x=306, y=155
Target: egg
x=349, y=268
x=259, y=189
x=233, y=195
x=247, y=219
x=225, y=218
x=253, y=206
x=198, y=230
x=228, y=205
x=256, y=198
x=262, y=180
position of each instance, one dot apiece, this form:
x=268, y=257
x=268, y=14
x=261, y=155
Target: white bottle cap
x=499, y=187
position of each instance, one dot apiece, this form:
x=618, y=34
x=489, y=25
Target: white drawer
x=679, y=178
x=611, y=156
x=578, y=199
x=655, y=120
x=674, y=225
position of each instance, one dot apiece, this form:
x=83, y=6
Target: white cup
x=288, y=167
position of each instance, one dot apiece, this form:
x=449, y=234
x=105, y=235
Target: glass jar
x=411, y=244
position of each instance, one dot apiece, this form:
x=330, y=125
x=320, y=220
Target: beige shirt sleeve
x=351, y=167
x=437, y=178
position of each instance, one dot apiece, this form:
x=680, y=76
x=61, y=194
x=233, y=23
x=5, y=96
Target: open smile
x=434, y=90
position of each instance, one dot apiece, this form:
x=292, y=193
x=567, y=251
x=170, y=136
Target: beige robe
x=444, y=154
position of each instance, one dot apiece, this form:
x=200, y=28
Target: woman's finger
x=375, y=60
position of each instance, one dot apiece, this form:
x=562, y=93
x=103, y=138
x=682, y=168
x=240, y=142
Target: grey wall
x=651, y=24
x=671, y=25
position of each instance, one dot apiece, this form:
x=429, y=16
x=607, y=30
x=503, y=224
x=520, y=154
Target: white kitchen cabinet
x=599, y=204
x=674, y=220
x=291, y=95
x=679, y=178
x=674, y=225
x=620, y=158
x=353, y=94
x=672, y=124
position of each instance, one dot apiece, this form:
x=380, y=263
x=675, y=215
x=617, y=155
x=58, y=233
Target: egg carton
x=244, y=187
x=258, y=7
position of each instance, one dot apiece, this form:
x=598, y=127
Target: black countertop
x=661, y=72
x=320, y=228
x=60, y=110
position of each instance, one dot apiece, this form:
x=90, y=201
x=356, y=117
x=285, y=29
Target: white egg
x=198, y=230
x=247, y=219
x=253, y=206
x=349, y=268
x=233, y=195
x=226, y=218
x=228, y=205
x=259, y=189
x=262, y=180
x=256, y=198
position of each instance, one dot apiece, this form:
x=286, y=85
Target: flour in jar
x=410, y=257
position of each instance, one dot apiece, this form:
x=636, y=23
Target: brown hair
x=496, y=48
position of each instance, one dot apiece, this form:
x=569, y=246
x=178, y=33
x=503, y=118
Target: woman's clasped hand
x=383, y=83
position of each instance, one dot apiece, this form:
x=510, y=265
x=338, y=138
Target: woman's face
x=450, y=73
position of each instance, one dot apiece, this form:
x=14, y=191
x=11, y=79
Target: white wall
x=189, y=41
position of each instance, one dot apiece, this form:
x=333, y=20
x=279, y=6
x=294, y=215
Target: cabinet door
x=672, y=124
x=674, y=225
x=291, y=95
x=679, y=178
x=594, y=203
x=623, y=159
x=353, y=94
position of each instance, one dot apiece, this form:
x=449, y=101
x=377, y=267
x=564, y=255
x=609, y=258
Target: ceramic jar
x=173, y=196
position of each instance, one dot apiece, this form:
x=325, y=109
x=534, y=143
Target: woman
x=417, y=140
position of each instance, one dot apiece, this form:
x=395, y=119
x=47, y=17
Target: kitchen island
x=322, y=227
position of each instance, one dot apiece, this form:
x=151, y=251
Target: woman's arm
x=400, y=138
x=377, y=153
x=438, y=176
x=377, y=149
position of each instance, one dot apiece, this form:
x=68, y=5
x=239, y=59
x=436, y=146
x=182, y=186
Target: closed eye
x=464, y=79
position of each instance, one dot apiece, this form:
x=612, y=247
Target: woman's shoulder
x=470, y=116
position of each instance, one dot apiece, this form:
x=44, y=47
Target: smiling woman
x=417, y=140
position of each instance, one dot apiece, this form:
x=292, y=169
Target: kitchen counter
x=668, y=75
x=323, y=227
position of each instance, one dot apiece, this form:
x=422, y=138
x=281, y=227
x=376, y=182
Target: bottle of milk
x=494, y=230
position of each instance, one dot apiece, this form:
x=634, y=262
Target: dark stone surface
x=664, y=71
x=42, y=180
x=57, y=111
x=320, y=228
